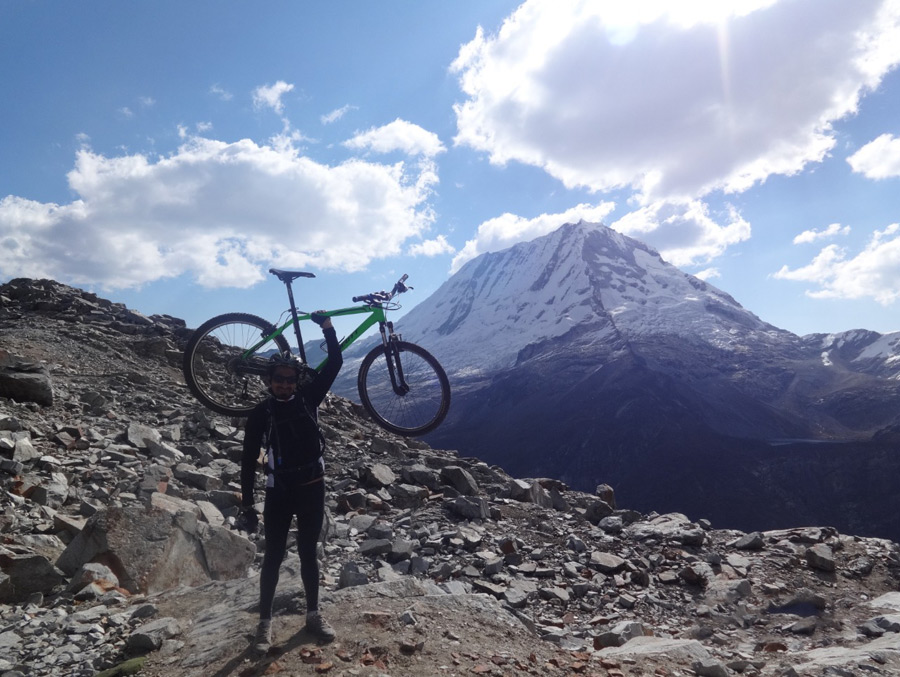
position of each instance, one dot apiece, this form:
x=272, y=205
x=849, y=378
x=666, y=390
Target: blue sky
x=166, y=154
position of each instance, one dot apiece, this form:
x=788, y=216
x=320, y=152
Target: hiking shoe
x=263, y=641
x=318, y=626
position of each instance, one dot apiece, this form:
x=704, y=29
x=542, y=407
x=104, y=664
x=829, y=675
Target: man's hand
x=321, y=319
x=248, y=520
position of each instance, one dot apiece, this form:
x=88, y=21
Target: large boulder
x=24, y=381
x=158, y=547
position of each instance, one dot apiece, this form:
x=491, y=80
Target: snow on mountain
x=584, y=356
x=861, y=350
x=583, y=277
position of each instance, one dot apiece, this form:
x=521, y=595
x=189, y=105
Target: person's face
x=283, y=382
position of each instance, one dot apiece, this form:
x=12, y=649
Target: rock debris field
x=118, y=553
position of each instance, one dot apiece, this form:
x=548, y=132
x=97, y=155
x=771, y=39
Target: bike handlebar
x=384, y=296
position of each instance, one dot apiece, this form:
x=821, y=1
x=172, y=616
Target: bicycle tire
x=417, y=412
x=215, y=373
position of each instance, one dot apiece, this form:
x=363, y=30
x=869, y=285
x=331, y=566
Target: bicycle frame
x=376, y=316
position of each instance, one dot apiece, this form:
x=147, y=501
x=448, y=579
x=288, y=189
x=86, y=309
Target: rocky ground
x=118, y=553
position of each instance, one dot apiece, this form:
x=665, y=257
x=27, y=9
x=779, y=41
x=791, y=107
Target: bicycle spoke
x=414, y=409
x=216, y=366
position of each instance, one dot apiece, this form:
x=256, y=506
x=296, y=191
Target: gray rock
x=401, y=549
x=675, y=649
x=139, y=434
x=460, y=479
x=150, y=636
x=377, y=475
x=93, y=572
x=52, y=492
x=697, y=573
x=351, y=575
x=361, y=523
x=728, y=591
x=821, y=557
x=530, y=492
x=709, y=667
x=24, y=451
x=751, y=541
x=469, y=507
x=26, y=574
x=152, y=550
x=619, y=634
x=515, y=597
x=197, y=478
x=606, y=562
x=597, y=510
x=606, y=494
x=373, y=547
x=163, y=451
x=612, y=524
x=408, y=495
x=554, y=594
x=421, y=475
x=25, y=382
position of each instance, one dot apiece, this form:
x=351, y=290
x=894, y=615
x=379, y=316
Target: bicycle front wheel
x=412, y=405
x=217, y=368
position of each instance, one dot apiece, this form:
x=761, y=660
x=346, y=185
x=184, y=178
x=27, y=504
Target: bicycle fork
x=392, y=357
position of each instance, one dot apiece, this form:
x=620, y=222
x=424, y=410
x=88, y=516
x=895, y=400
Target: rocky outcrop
x=24, y=381
x=155, y=548
x=117, y=524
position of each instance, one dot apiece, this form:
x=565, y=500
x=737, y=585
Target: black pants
x=307, y=502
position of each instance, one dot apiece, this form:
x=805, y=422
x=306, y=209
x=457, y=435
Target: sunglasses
x=284, y=379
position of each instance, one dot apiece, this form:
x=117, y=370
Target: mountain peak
x=584, y=278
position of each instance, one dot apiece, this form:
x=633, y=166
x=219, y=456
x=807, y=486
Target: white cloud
x=878, y=159
x=430, y=248
x=270, y=96
x=812, y=235
x=223, y=94
x=669, y=102
x=708, y=274
x=873, y=273
x=220, y=212
x=336, y=114
x=683, y=231
x=508, y=229
x=184, y=132
x=398, y=135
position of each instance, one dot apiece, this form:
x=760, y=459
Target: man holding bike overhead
x=285, y=424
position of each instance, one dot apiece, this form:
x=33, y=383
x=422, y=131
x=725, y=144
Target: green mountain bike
x=401, y=385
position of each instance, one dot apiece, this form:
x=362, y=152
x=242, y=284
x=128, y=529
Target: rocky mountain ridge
x=117, y=552
x=583, y=355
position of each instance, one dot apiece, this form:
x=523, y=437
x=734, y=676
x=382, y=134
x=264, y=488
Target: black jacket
x=291, y=426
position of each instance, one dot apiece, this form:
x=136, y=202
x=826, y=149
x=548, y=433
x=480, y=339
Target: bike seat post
x=290, y=291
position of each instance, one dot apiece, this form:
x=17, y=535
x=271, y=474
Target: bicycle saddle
x=288, y=275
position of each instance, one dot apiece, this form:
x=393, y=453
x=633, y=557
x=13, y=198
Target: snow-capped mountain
x=585, y=280
x=860, y=350
x=584, y=356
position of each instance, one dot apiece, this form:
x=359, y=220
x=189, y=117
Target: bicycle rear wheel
x=215, y=366
x=413, y=411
